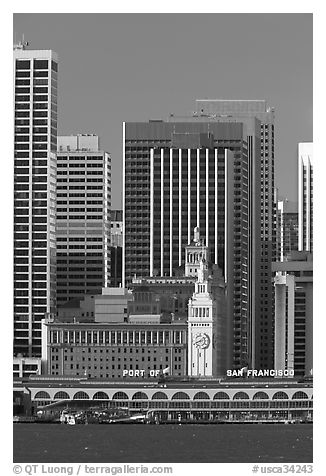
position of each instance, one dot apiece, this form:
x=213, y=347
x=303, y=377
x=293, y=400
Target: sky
x=116, y=67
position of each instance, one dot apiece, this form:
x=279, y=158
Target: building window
x=40, y=64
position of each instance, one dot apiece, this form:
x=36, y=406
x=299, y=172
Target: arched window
x=140, y=396
x=260, y=396
x=280, y=396
x=300, y=396
x=241, y=396
x=221, y=396
x=201, y=396
x=180, y=396
x=100, y=396
x=41, y=395
x=61, y=396
x=159, y=396
x=120, y=396
x=81, y=396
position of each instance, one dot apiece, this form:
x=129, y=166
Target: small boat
x=136, y=418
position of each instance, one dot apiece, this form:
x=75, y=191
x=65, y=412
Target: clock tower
x=202, y=318
x=196, y=251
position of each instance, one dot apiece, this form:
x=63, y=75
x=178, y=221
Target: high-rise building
x=294, y=314
x=197, y=172
x=35, y=75
x=287, y=229
x=238, y=111
x=83, y=217
x=305, y=195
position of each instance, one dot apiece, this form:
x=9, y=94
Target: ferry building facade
x=209, y=400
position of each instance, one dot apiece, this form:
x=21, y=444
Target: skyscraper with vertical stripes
x=196, y=171
x=35, y=76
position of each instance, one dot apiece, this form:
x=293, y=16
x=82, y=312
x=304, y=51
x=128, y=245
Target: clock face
x=201, y=340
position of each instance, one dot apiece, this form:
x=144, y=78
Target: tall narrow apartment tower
x=262, y=345
x=35, y=75
x=305, y=196
x=83, y=217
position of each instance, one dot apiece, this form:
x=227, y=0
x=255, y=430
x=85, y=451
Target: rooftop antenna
x=21, y=45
